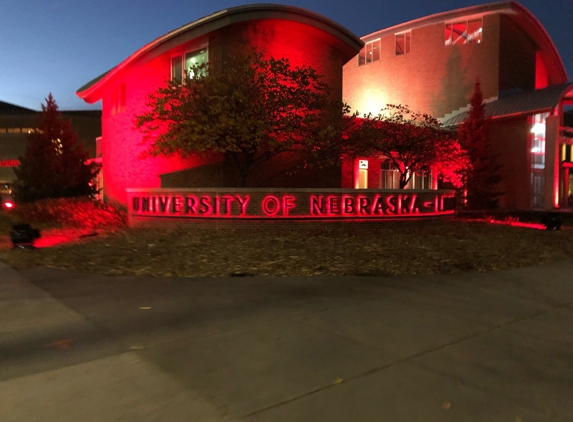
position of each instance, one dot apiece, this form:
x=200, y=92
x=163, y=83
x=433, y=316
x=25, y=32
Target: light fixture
x=551, y=221
x=23, y=235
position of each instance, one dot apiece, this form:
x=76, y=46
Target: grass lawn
x=389, y=248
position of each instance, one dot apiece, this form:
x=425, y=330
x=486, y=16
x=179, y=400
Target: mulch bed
x=375, y=250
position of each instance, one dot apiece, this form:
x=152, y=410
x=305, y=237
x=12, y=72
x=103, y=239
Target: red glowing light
x=9, y=163
x=8, y=204
x=512, y=223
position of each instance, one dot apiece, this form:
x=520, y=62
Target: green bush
x=72, y=212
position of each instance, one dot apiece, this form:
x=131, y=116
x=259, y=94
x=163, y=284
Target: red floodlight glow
x=8, y=204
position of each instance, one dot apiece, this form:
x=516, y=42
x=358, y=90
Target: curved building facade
x=303, y=37
x=432, y=64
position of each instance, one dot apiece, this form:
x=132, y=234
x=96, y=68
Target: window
x=370, y=53
x=537, y=151
x=389, y=175
x=362, y=179
x=181, y=65
x=176, y=69
x=538, y=141
x=403, y=42
x=118, y=99
x=17, y=130
x=463, y=32
x=567, y=153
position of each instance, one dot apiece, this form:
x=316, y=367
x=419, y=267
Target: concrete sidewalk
x=470, y=347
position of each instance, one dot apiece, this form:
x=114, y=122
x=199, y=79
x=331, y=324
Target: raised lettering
x=363, y=205
x=176, y=204
x=348, y=205
x=163, y=203
x=271, y=205
x=145, y=204
x=378, y=207
x=243, y=202
x=332, y=205
x=205, y=203
x=288, y=204
x=391, y=204
x=413, y=208
x=190, y=205
x=316, y=205
x=226, y=204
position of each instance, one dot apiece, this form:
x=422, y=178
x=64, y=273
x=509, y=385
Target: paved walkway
x=471, y=347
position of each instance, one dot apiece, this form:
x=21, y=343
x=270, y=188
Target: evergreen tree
x=54, y=164
x=482, y=176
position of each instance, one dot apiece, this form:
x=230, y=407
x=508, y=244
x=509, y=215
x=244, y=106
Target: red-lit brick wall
x=122, y=147
x=509, y=143
x=432, y=78
x=517, y=58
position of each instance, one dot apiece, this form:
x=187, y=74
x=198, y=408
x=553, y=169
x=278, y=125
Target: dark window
x=370, y=53
x=403, y=42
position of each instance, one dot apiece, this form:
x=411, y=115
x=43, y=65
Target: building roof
x=7, y=108
x=515, y=11
x=81, y=113
x=521, y=103
x=221, y=19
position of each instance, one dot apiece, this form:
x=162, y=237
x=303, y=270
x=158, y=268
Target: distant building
x=16, y=122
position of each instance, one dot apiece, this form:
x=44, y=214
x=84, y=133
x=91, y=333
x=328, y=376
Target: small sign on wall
x=363, y=164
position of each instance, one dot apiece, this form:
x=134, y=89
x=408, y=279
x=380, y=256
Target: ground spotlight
x=551, y=221
x=23, y=235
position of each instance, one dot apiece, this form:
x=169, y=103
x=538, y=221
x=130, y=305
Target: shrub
x=73, y=212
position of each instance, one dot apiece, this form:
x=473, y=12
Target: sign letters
x=302, y=204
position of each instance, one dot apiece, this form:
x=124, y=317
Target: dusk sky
x=59, y=45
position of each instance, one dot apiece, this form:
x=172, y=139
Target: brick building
x=432, y=63
x=303, y=37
